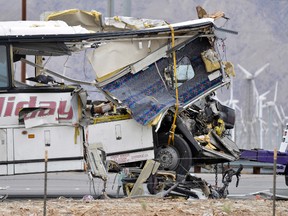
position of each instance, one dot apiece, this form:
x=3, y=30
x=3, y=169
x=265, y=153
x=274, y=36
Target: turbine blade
x=261, y=70
x=238, y=108
x=263, y=96
x=231, y=90
x=275, y=94
x=248, y=74
x=262, y=121
x=282, y=111
x=278, y=113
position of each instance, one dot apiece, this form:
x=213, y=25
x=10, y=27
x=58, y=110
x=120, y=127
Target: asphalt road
x=78, y=184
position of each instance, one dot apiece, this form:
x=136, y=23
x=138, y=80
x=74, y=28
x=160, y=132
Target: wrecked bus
x=159, y=81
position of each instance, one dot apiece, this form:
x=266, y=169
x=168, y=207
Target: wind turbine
x=284, y=117
x=283, y=145
x=250, y=95
x=232, y=103
x=271, y=104
x=261, y=98
x=239, y=130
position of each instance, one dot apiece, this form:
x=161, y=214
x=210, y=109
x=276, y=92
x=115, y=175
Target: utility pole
x=111, y=8
x=127, y=8
x=23, y=65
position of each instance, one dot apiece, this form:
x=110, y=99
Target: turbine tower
x=261, y=98
x=232, y=103
x=271, y=104
x=250, y=96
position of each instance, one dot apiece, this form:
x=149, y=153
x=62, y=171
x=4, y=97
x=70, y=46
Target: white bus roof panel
x=14, y=28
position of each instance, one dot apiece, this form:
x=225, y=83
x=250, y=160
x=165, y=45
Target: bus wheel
x=175, y=157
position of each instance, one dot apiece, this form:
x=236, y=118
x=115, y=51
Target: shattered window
x=184, y=70
x=3, y=67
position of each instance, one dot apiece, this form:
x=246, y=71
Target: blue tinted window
x=4, y=82
x=184, y=70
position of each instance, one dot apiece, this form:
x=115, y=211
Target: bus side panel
x=123, y=141
x=3, y=152
x=65, y=150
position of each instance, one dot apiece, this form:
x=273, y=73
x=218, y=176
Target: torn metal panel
x=119, y=55
x=91, y=20
x=150, y=92
x=122, y=22
x=97, y=159
x=225, y=144
x=131, y=64
x=144, y=94
x=212, y=154
x=34, y=117
x=142, y=43
x=78, y=103
x=145, y=51
x=150, y=168
x=94, y=21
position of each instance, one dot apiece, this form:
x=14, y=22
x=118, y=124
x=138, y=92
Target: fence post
x=274, y=181
x=45, y=182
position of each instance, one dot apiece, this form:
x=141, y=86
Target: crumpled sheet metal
x=93, y=20
x=146, y=94
x=119, y=55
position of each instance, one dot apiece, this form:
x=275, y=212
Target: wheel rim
x=168, y=158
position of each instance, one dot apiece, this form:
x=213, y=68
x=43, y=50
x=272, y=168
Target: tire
x=175, y=157
x=286, y=174
x=152, y=183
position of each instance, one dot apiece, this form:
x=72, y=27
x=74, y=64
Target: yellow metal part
x=205, y=141
x=211, y=60
x=111, y=118
x=156, y=120
x=76, y=134
x=38, y=61
x=220, y=127
x=127, y=187
x=108, y=75
x=229, y=69
x=79, y=116
x=83, y=16
x=169, y=175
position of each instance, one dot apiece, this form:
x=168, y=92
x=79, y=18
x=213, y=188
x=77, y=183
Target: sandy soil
x=144, y=206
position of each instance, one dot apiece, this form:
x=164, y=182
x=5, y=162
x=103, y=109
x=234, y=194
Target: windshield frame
x=5, y=64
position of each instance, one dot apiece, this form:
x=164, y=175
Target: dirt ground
x=143, y=206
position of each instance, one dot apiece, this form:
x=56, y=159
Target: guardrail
x=252, y=167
